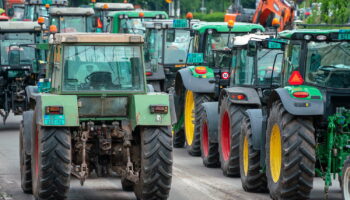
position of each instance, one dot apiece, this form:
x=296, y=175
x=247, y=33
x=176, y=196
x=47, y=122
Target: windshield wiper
x=264, y=55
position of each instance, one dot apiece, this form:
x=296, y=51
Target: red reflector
x=99, y=23
x=54, y=110
x=238, y=96
x=300, y=94
x=160, y=109
x=225, y=75
x=27, y=20
x=296, y=78
x=200, y=70
x=149, y=73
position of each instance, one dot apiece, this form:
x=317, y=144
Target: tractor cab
x=34, y=9
x=69, y=19
x=132, y=21
x=167, y=44
x=102, y=11
x=20, y=64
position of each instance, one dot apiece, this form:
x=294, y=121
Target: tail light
x=200, y=70
x=239, y=97
x=301, y=94
x=159, y=109
x=149, y=73
x=99, y=23
x=54, y=110
x=295, y=78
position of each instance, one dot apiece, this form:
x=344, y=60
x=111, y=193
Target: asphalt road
x=191, y=180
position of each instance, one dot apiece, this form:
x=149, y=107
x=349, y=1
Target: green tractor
x=93, y=115
x=72, y=19
x=132, y=21
x=255, y=62
x=203, y=81
x=304, y=129
x=21, y=64
x=34, y=9
x=166, y=48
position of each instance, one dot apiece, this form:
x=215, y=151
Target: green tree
x=330, y=12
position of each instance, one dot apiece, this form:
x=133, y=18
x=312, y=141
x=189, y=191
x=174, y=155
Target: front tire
x=51, y=163
x=290, y=154
x=156, y=164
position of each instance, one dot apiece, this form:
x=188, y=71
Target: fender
x=199, y=85
x=32, y=92
x=28, y=122
x=252, y=96
x=211, y=108
x=301, y=107
x=256, y=121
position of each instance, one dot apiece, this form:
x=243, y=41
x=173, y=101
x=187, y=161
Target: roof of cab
x=135, y=14
x=115, y=6
x=71, y=11
x=166, y=23
x=19, y=26
x=51, y=2
x=222, y=27
x=288, y=34
x=95, y=38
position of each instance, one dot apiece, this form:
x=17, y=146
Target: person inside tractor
x=176, y=46
x=328, y=64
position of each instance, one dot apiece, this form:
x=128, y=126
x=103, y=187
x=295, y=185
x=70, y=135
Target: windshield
x=13, y=42
x=265, y=60
x=153, y=49
x=133, y=25
x=328, y=64
x=176, y=47
x=69, y=24
x=216, y=41
x=32, y=12
x=103, y=68
x=18, y=12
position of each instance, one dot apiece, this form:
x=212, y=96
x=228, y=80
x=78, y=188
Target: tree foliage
x=330, y=12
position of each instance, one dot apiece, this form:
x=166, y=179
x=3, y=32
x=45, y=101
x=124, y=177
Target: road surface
x=191, y=180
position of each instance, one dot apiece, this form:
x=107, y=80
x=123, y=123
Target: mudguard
x=211, y=108
x=301, y=107
x=28, y=117
x=32, y=92
x=199, y=85
x=252, y=97
x=256, y=121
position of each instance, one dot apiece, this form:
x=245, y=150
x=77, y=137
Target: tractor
x=33, y=9
x=22, y=62
x=93, y=114
x=132, y=21
x=166, y=48
x=303, y=131
x=202, y=80
x=255, y=62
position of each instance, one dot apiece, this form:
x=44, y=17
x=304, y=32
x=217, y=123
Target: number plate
x=180, y=23
x=344, y=35
x=55, y=120
x=274, y=45
x=195, y=58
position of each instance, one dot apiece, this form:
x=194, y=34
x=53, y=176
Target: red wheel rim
x=205, y=139
x=36, y=153
x=225, y=136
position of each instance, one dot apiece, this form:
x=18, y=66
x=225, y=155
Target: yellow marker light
x=53, y=29
x=230, y=23
x=105, y=6
x=47, y=6
x=41, y=20
x=141, y=15
x=189, y=15
x=275, y=22
x=93, y=1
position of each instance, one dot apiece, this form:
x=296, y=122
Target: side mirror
x=11, y=12
x=192, y=33
x=14, y=55
x=170, y=36
x=252, y=48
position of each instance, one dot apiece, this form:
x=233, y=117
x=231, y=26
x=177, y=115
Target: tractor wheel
x=209, y=150
x=156, y=164
x=127, y=185
x=231, y=116
x=25, y=163
x=192, y=119
x=51, y=163
x=290, y=154
x=345, y=180
x=252, y=177
x=179, y=139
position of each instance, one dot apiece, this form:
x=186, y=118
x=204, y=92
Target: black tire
x=127, y=185
x=156, y=164
x=252, y=177
x=51, y=153
x=294, y=179
x=25, y=163
x=194, y=149
x=179, y=139
x=344, y=180
x=209, y=149
x=231, y=129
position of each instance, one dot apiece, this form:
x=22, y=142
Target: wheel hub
x=245, y=155
x=275, y=153
x=189, y=117
x=225, y=136
x=205, y=138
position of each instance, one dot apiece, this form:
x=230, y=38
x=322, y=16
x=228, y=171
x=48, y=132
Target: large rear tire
x=209, y=149
x=231, y=116
x=25, y=163
x=179, y=139
x=252, y=177
x=345, y=180
x=156, y=164
x=51, y=163
x=290, y=154
x=192, y=118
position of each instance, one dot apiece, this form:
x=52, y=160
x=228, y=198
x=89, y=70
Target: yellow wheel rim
x=189, y=117
x=275, y=153
x=245, y=156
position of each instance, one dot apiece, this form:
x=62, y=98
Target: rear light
x=99, y=23
x=225, y=75
x=200, y=70
x=159, y=109
x=149, y=73
x=54, y=110
x=300, y=94
x=321, y=37
x=238, y=97
x=296, y=78
x=27, y=20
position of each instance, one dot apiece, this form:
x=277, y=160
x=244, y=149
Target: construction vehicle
x=166, y=47
x=256, y=61
x=15, y=9
x=102, y=11
x=21, y=64
x=242, y=12
x=202, y=80
x=267, y=10
x=304, y=130
x=34, y=9
x=131, y=21
x=72, y=19
x=92, y=114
